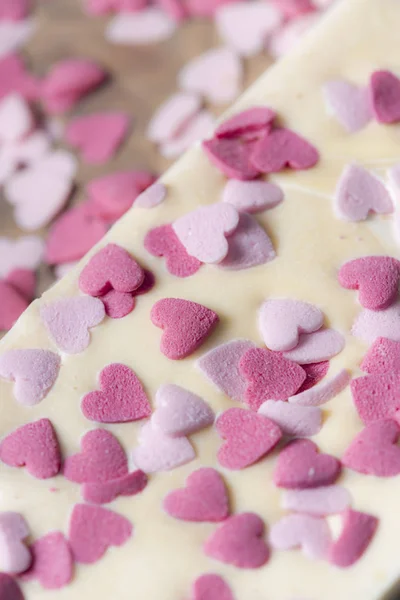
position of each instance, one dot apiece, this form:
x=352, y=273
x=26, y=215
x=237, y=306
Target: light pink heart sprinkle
x=198, y=128
x=16, y=118
x=180, y=412
x=323, y=392
x=221, y=366
x=52, y=563
x=371, y=324
x=310, y=533
x=159, y=452
x=289, y=35
x=358, y=529
x=172, y=116
x=34, y=373
x=316, y=347
x=149, y=26
x=281, y=321
x=318, y=502
x=360, y=192
x=302, y=421
x=348, y=103
x=14, y=555
x=210, y=587
x=23, y=253
x=68, y=321
x=216, y=75
x=203, y=499
x=252, y=196
x=202, y=231
x=248, y=246
x=152, y=197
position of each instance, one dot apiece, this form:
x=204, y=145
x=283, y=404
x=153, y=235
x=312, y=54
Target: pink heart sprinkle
x=283, y=148
x=316, y=347
x=150, y=25
x=322, y=393
x=385, y=96
x=269, y=376
x=221, y=366
x=16, y=118
x=248, y=246
x=92, y=530
x=185, y=324
x=311, y=533
x=294, y=8
x=319, y=502
x=374, y=450
x=252, y=120
x=358, y=192
x=302, y=421
x=112, y=267
x=163, y=241
x=107, y=491
x=208, y=587
x=14, y=10
x=68, y=321
x=371, y=324
x=9, y=589
x=376, y=277
x=246, y=26
x=300, y=466
x=203, y=499
x=358, y=529
x=175, y=9
x=282, y=320
x=159, y=452
x=180, y=412
x=12, y=305
x=348, y=103
x=216, y=75
x=24, y=281
x=72, y=235
x=382, y=357
x=15, y=557
x=34, y=373
x=202, y=231
x=205, y=8
x=232, y=157
x=252, y=196
x=152, y=196
x=15, y=78
x=315, y=372
x=248, y=437
x=113, y=195
x=121, y=400
x=376, y=396
x=52, y=562
x=101, y=458
x=239, y=541
x=99, y=135
x=35, y=446
x=172, y=116
x=118, y=304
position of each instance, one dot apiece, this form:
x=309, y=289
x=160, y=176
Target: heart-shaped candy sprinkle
x=118, y=304
x=15, y=557
x=121, y=399
x=221, y=366
x=152, y=196
x=371, y=324
x=248, y=437
x=316, y=347
x=209, y=587
x=358, y=529
x=322, y=501
x=186, y=325
x=248, y=246
x=68, y=321
x=203, y=499
x=282, y=320
x=180, y=412
x=12, y=305
x=348, y=103
x=239, y=541
x=23, y=253
x=374, y=450
x=322, y=393
x=232, y=157
x=376, y=396
x=315, y=372
x=302, y=421
x=52, y=562
x=385, y=96
x=382, y=357
x=283, y=148
x=251, y=121
x=203, y=231
x=252, y=196
x=112, y=267
x=294, y=8
x=311, y=533
x=172, y=116
x=163, y=241
x=16, y=118
x=359, y=192
x=106, y=491
x=35, y=446
x=300, y=466
x=159, y=452
x=149, y=25
x=24, y=281
x=9, y=588
x=269, y=376
x=376, y=277
x=92, y=530
x=197, y=129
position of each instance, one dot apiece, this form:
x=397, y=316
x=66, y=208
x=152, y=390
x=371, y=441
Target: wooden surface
x=141, y=77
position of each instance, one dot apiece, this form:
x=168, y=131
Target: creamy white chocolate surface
x=164, y=556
